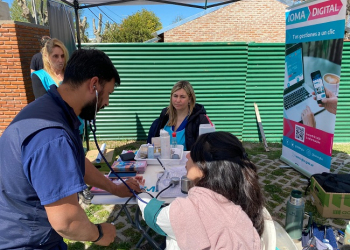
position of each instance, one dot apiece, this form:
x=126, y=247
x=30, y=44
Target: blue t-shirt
x=50, y=165
x=180, y=133
x=38, y=169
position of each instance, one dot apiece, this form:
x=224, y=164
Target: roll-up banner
x=314, y=46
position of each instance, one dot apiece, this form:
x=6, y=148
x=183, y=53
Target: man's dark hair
x=85, y=64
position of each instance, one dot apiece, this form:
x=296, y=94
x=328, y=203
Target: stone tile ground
x=276, y=182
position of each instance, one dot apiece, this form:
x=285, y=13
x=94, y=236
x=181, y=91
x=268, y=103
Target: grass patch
x=277, y=198
x=340, y=222
x=119, y=225
x=103, y=215
x=258, y=148
x=282, y=181
x=74, y=245
x=278, y=172
x=272, y=189
x=92, y=209
x=123, y=245
x=341, y=148
x=112, y=246
x=132, y=234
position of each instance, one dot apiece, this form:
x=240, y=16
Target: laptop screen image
x=294, y=66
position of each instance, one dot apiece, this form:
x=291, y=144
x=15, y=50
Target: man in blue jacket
x=43, y=166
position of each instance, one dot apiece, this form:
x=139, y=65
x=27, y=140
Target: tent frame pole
x=77, y=20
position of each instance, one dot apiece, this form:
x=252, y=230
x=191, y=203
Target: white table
x=151, y=178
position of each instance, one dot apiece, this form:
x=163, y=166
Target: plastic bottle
x=164, y=144
x=347, y=235
x=150, y=152
x=173, y=140
x=295, y=215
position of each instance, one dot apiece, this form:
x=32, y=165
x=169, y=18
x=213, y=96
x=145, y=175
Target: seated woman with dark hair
x=183, y=116
x=224, y=209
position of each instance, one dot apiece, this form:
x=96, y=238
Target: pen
x=157, y=184
x=161, y=163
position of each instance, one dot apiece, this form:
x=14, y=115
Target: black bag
x=333, y=183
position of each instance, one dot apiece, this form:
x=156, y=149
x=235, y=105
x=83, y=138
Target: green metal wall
x=342, y=124
x=227, y=78
x=148, y=72
x=264, y=86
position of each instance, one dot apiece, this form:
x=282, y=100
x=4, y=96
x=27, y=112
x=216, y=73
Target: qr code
x=299, y=133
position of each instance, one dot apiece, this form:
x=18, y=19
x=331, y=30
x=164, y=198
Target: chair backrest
x=268, y=238
x=152, y=130
x=283, y=240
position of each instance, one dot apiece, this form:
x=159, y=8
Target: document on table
x=165, y=179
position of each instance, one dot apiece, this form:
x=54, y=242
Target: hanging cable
x=114, y=13
x=102, y=23
x=93, y=129
x=106, y=15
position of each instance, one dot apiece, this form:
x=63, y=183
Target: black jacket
x=192, y=128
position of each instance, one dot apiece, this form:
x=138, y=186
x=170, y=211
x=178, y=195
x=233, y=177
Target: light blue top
x=180, y=132
x=45, y=78
x=47, y=81
x=180, y=136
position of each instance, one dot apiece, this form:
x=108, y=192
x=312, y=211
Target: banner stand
x=295, y=166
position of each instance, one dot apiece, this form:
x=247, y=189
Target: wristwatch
x=100, y=232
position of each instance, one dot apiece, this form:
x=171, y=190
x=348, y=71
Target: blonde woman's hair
x=47, y=50
x=185, y=85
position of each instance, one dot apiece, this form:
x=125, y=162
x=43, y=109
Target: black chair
x=152, y=130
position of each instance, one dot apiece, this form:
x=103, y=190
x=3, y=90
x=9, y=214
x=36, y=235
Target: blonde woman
x=183, y=116
x=55, y=57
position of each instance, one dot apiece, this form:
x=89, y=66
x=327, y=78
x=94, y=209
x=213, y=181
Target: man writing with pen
x=43, y=166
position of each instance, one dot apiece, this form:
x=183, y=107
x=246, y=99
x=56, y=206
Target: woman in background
x=183, y=116
x=224, y=209
x=55, y=57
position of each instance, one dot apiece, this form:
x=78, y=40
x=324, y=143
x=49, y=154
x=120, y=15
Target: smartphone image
x=317, y=81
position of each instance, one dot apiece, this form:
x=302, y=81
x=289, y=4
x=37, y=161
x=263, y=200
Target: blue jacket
x=23, y=219
x=192, y=128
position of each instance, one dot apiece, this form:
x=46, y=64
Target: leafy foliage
x=178, y=19
x=83, y=26
x=135, y=28
x=23, y=11
x=16, y=12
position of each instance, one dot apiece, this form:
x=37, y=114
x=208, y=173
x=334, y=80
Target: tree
x=23, y=11
x=97, y=32
x=83, y=26
x=178, y=19
x=138, y=27
x=110, y=33
x=16, y=13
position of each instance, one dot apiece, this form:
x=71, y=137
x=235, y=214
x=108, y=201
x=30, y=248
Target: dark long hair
x=228, y=171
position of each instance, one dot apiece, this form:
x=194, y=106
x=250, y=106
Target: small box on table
x=130, y=166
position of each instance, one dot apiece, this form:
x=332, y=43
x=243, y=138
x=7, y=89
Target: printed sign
x=314, y=45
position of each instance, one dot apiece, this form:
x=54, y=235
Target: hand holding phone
x=317, y=82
